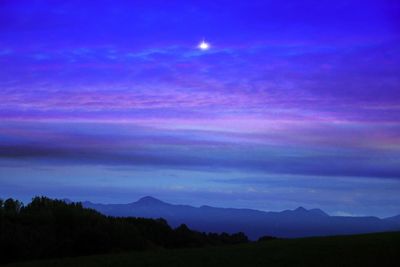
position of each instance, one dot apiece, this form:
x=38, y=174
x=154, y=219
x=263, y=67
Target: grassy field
x=361, y=250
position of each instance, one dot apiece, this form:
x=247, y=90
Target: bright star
x=204, y=46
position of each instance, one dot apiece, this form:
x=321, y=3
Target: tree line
x=47, y=228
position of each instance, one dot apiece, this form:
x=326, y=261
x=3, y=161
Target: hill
x=360, y=250
x=254, y=223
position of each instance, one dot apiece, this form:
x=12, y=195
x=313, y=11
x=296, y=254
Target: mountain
x=394, y=219
x=254, y=223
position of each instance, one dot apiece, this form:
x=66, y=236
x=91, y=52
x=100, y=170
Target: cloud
x=119, y=145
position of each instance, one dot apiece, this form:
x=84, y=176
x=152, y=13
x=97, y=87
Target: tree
x=1, y=207
x=48, y=228
x=12, y=206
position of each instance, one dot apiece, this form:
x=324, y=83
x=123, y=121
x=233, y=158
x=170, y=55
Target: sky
x=295, y=103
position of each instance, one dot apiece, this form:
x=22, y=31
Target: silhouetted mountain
x=318, y=211
x=150, y=201
x=254, y=223
x=394, y=219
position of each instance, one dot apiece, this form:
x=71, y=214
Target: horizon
x=263, y=104
x=339, y=214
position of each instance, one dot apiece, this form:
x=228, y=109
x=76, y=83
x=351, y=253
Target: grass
x=382, y=249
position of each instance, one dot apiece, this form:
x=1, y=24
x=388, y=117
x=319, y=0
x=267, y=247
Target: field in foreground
x=360, y=250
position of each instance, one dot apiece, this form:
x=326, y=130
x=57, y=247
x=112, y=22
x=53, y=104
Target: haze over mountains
x=254, y=223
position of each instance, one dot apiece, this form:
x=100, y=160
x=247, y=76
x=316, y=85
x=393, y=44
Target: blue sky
x=294, y=104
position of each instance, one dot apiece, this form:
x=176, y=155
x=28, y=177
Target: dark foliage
x=52, y=228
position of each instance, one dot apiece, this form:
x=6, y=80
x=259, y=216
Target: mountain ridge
x=299, y=222
x=153, y=200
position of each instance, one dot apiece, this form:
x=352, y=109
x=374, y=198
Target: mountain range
x=254, y=223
